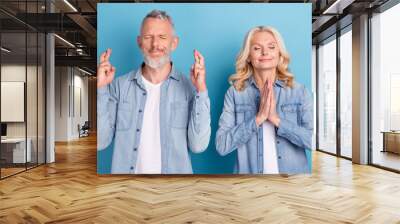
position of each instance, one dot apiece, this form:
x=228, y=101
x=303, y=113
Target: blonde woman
x=267, y=116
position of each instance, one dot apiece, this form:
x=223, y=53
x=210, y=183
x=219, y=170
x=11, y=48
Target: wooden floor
x=70, y=191
x=5, y=172
x=387, y=159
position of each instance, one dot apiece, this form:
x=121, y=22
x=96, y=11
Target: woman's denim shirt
x=238, y=130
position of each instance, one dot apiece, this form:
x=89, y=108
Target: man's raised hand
x=105, y=71
x=198, y=72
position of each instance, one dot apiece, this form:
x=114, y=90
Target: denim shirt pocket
x=244, y=112
x=290, y=111
x=124, y=116
x=179, y=114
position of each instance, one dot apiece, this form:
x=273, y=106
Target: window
x=327, y=96
x=385, y=85
x=23, y=76
x=346, y=93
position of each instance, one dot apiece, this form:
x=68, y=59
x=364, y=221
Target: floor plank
x=70, y=191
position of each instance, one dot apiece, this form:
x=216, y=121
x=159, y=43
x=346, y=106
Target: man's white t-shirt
x=149, y=150
x=270, y=157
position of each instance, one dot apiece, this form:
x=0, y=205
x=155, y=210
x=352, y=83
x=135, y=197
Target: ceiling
x=76, y=22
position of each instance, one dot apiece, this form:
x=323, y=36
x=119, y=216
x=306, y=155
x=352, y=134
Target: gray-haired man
x=153, y=114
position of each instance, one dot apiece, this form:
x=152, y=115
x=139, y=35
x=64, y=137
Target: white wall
x=12, y=73
x=61, y=103
x=33, y=126
x=79, y=117
x=70, y=83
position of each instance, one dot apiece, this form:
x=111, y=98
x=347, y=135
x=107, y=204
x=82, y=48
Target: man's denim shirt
x=184, y=121
x=238, y=130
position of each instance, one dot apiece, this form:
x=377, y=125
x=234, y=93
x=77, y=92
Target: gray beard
x=156, y=64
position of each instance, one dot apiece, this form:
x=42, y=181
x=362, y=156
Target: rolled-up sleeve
x=199, y=130
x=107, y=99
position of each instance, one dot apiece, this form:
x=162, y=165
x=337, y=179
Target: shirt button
x=144, y=94
x=278, y=142
x=137, y=130
x=197, y=113
x=279, y=157
x=135, y=149
x=140, y=111
x=131, y=167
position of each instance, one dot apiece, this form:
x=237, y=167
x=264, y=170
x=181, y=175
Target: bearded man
x=153, y=114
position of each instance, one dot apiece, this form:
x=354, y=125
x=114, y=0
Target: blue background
x=217, y=31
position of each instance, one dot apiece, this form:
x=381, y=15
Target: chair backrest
x=86, y=125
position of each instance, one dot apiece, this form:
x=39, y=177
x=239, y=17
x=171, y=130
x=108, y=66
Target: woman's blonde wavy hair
x=244, y=69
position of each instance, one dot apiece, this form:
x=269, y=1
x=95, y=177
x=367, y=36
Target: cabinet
x=391, y=141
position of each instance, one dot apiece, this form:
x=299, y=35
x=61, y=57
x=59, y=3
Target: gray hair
x=159, y=14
